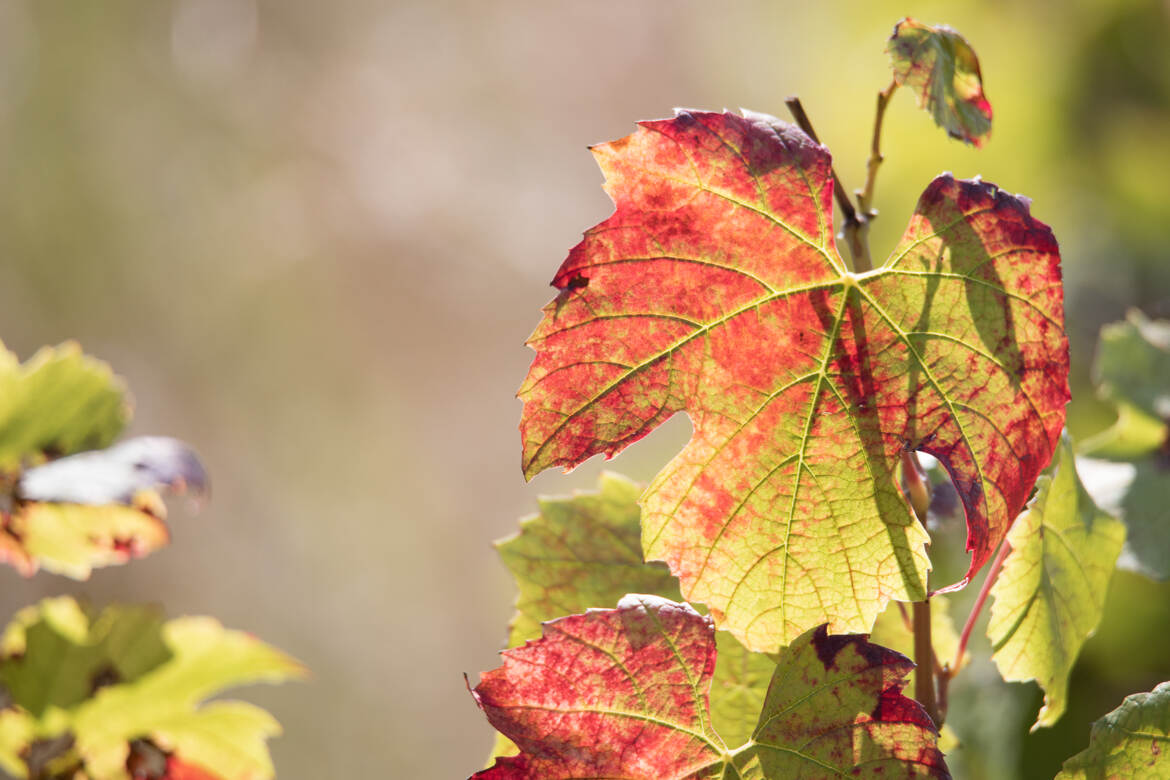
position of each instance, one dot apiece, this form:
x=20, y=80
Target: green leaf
x=17, y=731
x=584, y=551
x=1050, y=595
x=1138, y=493
x=127, y=675
x=942, y=68
x=164, y=704
x=1133, y=741
x=635, y=705
x=580, y=552
x=1132, y=371
x=738, y=688
x=1133, y=364
x=53, y=656
x=57, y=403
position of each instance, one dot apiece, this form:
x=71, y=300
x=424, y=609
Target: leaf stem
x=992, y=573
x=858, y=249
x=865, y=196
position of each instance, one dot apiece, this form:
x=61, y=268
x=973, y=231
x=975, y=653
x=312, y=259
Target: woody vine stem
x=932, y=681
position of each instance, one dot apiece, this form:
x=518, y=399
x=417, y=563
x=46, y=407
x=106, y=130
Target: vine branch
x=858, y=248
x=865, y=195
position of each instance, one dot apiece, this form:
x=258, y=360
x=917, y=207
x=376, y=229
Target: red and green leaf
x=939, y=64
x=716, y=289
x=623, y=694
x=581, y=552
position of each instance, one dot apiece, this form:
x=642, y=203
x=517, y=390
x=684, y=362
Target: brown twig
x=858, y=249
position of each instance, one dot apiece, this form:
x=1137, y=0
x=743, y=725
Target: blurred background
x=314, y=236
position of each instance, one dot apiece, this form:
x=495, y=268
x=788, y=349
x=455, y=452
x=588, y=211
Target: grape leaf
x=57, y=403
x=1132, y=741
x=53, y=655
x=622, y=693
x=716, y=288
x=1050, y=595
x=580, y=552
x=91, y=509
x=583, y=552
x=942, y=68
x=1129, y=471
x=224, y=737
x=126, y=675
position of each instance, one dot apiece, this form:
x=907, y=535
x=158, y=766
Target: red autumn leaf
x=622, y=693
x=716, y=288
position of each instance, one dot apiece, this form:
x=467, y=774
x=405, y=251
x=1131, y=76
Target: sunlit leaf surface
x=622, y=693
x=716, y=289
x=1133, y=741
x=1050, y=595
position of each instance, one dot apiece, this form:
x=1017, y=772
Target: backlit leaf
x=1129, y=472
x=939, y=64
x=1050, y=594
x=1132, y=741
x=622, y=694
x=57, y=403
x=580, y=552
x=166, y=705
x=716, y=289
x=584, y=552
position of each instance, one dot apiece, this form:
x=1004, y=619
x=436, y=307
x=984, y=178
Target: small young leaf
x=1050, y=595
x=635, y=706
x=716, y=288
x=1133, y=741
x=57, y=403
x=942, y=68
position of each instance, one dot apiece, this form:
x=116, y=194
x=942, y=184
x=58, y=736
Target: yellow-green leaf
x=164, y=704
x=1050, y=594
x=59, y=402
x=1133, y=741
